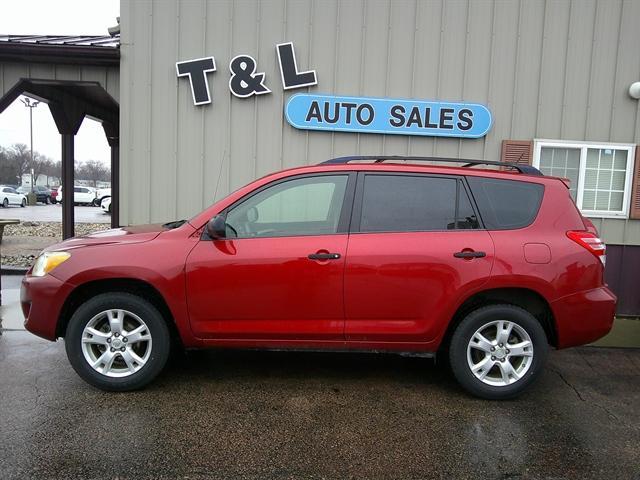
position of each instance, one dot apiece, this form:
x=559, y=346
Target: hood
x=114, y=236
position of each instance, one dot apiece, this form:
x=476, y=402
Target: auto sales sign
x=339, y=113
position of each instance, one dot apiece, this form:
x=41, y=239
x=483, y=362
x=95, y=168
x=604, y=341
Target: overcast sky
x=54, y=17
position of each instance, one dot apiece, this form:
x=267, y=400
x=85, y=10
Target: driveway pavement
x=53, y=213
x=257, y=415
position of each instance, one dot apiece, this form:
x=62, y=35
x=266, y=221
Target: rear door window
x=414, y=203
x=506, y=204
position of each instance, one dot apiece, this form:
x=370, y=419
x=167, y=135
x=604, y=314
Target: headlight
x=47, y=261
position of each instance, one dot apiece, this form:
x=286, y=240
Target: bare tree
x=93, y=171
x=14, y=162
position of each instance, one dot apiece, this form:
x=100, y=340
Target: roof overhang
x=69, y=102
x=67, y=50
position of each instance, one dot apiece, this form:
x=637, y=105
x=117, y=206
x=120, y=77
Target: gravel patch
x=40, y=230
x=50, y=229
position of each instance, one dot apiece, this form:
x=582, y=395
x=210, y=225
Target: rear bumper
x=41, y=299
x=584, y=317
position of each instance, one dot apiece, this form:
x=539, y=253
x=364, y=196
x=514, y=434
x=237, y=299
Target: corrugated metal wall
x=11, y=73
x=554, y=69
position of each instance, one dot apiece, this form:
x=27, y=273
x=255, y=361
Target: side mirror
x=217, y=227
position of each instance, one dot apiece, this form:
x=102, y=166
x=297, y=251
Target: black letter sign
x=291, y=78
x=244, y=80
x=197, y=70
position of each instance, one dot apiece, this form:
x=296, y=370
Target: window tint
x=506, y=204
x=397, y=203
x=304, y=206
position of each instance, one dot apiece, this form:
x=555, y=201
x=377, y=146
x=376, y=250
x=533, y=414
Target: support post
x=115, y=184
x=68, y=161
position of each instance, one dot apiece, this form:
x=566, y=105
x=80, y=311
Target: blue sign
x=388, y=115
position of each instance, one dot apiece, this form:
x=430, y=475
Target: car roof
x=419, y=168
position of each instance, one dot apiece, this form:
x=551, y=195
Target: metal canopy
x=69, y=101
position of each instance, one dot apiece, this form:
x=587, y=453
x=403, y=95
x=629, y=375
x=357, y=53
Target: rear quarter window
x=506, y=204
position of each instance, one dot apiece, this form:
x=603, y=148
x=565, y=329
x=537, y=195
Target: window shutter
x=634, y=211
x=517, y=151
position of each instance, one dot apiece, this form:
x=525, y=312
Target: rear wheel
x=117, y=342
x=23, y=203
x=497, y=351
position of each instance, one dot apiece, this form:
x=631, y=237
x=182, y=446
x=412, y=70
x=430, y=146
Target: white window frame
x=583, y=146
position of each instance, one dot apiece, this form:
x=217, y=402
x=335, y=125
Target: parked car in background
x=487, y=268
x=81, y=195
x=9, y=196
x=101, y=194
x=54, y=195
x=43, y=194
x=106, y=205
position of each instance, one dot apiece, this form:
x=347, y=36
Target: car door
x=279, y=273
x=416, y=247
x=14, y=197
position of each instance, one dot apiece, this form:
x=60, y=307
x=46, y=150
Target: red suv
x=484, y=266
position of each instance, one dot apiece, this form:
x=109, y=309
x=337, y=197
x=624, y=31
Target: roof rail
x=526, y=169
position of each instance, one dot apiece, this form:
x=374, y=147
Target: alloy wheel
x=500, y=353
x=116, y=343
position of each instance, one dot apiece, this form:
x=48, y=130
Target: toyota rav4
x=486, y=267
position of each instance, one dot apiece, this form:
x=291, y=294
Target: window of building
x=600, y=174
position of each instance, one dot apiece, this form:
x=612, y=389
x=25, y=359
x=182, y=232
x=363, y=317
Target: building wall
x=11, y=73
x=555, y=69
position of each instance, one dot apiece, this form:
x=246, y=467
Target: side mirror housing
x=217, y=227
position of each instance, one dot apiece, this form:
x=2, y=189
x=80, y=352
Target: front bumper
x=42, y=299
x=584, y=317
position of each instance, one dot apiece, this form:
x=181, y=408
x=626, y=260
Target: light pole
x=30, y=104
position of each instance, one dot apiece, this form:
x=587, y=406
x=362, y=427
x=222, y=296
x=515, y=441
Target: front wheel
x=5, y=203
x=23, y=203
x=497, y=351
x=117, y=342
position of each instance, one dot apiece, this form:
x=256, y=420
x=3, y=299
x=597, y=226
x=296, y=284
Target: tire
x=23, y=203
x=5, y=203
x=47, y=201
x=506, y=374
x=139, y=314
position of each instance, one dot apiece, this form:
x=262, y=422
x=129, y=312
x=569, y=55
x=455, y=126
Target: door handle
x=469, y=254
x=324, y=256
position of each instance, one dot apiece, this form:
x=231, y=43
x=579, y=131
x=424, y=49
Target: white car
x=9, y=196
x=81, y=195
x=101, y=194
x=106, y=205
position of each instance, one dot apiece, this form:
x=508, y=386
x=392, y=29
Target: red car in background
x=54, y=195
x=485, y=267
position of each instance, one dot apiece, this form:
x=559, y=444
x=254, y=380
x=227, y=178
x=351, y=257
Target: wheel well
x=524, y=298
x=125, y=285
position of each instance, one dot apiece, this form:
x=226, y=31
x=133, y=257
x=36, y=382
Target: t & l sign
x=339, y=113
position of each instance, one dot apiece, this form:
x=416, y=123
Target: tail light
x=591, y=242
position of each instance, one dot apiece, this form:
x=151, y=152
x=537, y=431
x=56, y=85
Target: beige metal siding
x=11, y=73
x=557, y=69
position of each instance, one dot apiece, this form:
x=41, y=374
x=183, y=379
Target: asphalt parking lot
x=239, y=414
x=53, y=213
